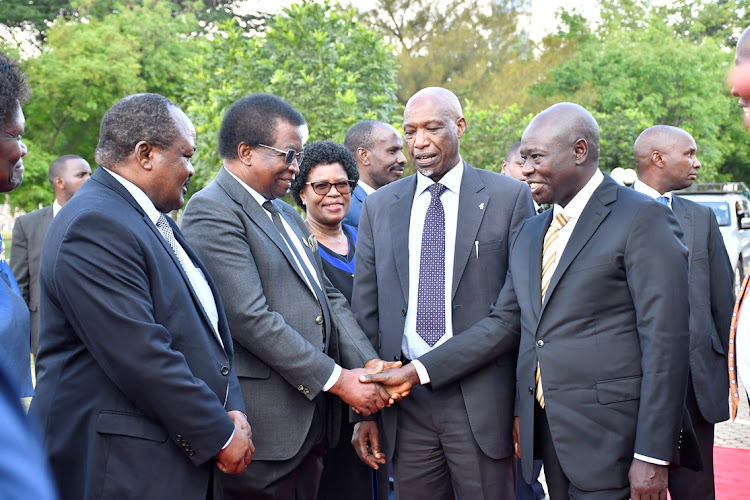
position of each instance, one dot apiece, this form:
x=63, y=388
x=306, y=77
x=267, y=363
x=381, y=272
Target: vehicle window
x=721, y=211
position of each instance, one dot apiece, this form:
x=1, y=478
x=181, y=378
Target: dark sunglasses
x=289, y=156
x=322, y=188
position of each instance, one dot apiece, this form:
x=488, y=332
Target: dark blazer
x=29, y=231
x=355, y=206
x=491, y=209
x=133, y=386
x=711, y=302
x=284, y=350
x=611, y=338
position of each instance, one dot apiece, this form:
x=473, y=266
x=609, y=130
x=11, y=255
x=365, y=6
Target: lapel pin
x=481, y=206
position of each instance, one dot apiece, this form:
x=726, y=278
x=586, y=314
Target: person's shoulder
x=398, y=187
x=35, y=214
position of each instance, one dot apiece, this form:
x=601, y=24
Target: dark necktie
x=431, y=294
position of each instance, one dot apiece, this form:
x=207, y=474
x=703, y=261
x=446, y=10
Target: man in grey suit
x=377, y=147
x=456, y=440
x=66, y=175
x=667, y=160
x=603, y=356
x=292, y=330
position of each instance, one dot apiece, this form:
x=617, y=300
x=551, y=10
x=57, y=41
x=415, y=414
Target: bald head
x=666, y=158
x=743, y=47
x=66, y=175
x=445, y=100
x=561, y=148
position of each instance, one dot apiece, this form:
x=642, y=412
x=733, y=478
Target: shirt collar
x=55, y=208
x=137, y=193
x=575, y=207
x=366, y=187
x=256, y=195
x=644, y=188
x=451, y=179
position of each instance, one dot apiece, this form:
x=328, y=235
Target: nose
x=420, y=139
x=528, y=168
x=24, y=149
x=697, y=163
x=333, y=192
x=400, y=158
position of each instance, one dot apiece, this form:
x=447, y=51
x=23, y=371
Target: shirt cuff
x=650, y=460
x=424, y=377
x=228, y=441
x=333, y=378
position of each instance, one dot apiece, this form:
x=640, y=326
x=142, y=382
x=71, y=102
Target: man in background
x=513, y=166
x=66, y=175
x=666, y=159
x=377, y=147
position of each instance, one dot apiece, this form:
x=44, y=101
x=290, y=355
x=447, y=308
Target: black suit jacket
x=711, y=303
x=611, y=338
x=133, y=385
x=491, y=209
x=29, y=231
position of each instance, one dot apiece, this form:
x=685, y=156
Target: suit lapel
x=685, y=218
x=593, y=214
x=472, y=205
x=257, y=214
x=399, y=218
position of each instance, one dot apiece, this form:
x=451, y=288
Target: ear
x=302, y=195
x=144, y=154
x=245, y=153
x=363, y=156
x=581, y=151
x=657, y=159
x=461, y=124
x=503, y=166
x=58, y=183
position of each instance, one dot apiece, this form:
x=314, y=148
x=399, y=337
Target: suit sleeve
x=19, y=259
x=105, y=292
x=218, y=236
x=722, y=282
x=656, y=268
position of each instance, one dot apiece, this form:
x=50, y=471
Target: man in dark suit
x=66, y=175
x=603, y=356
x=667, y=160
x=292, y=330
x=456, y=440
x=135, y=390
x=377, y=147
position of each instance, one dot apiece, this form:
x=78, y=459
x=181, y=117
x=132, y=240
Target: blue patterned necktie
x=663, y=200
x=431, y=294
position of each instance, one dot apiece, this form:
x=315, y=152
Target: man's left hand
x=648, y=481
x=398, y=381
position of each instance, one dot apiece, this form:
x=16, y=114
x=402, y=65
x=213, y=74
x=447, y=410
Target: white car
x=731, y=205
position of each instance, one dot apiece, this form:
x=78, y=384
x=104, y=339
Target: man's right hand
x=365, y=433
x=366, y=399
x=236, y=456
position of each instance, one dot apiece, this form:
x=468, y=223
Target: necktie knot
x=559, y=222
x=436, y=190
x=664, y=200
x=269, y=206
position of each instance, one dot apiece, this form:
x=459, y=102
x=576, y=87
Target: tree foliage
x=489, y=132
x=317, y=57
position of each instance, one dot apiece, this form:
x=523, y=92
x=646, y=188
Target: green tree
x=489, y=132
x=636, y=71
x=318, y=57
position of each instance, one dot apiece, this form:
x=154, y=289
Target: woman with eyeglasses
x=323, y=188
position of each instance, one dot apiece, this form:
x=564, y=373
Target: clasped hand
x=365, y=395
x=236, y=456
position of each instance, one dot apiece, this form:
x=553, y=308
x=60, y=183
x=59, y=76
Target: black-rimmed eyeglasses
x=322, y=188
x=289, y=156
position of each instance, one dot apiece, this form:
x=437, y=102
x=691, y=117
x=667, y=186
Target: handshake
x=377, y=385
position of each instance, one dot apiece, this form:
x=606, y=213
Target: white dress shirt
x=56, y=207
x=303, y=255
x=644, y=188
x=412, y=344
x=368, y=189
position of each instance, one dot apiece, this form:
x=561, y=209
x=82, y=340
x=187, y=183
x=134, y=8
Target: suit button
x=319, y=320
x=540, y=343
x=403, y=312
x=178, y=437
x=300, y=387
x=191, y=453
x=225, y=370
x=531, y=390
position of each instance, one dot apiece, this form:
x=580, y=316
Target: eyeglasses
x=289, y=156
x=322, y=188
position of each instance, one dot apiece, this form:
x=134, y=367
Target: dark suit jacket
x=491, y=209
x=355, y=206
x=711, y=303
x=275, y=319
x=133, y=386
x=29, y=231
x=611, y=339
